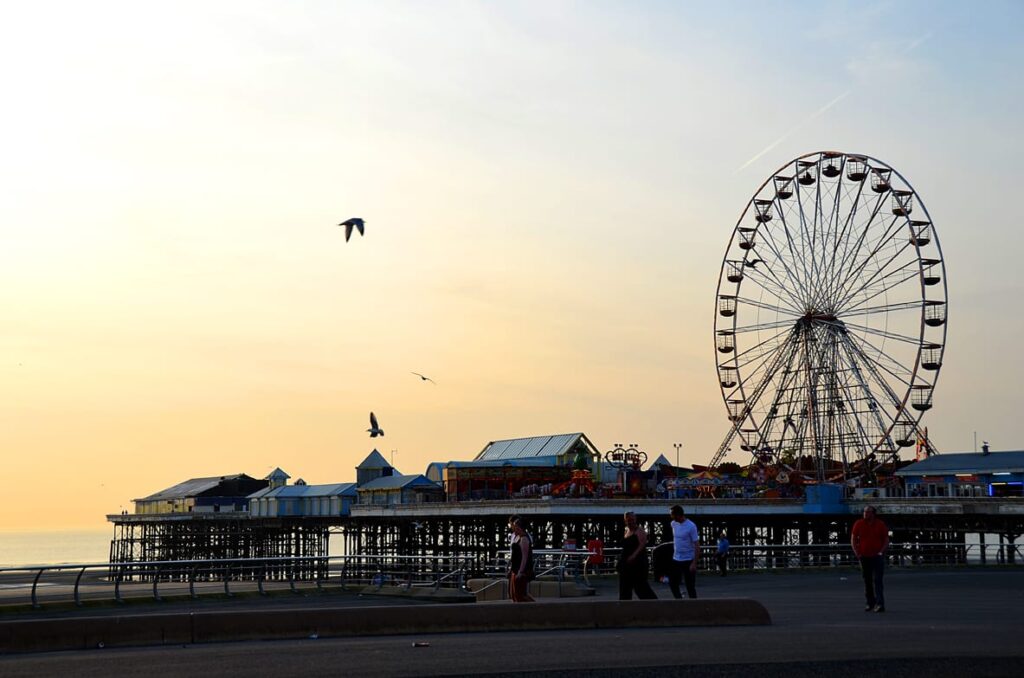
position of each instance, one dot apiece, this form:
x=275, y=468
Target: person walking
x=685, y=554
x=869, y=539
x=722, y=554
x=520, y=571
x=633, y=564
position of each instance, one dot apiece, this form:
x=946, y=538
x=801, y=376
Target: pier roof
x=395, y=482
x=193, y=487
x=307, y=491
x=374, y=460
x=536, y=446
x=966, y=462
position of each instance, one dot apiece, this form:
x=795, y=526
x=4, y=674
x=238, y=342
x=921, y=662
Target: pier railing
x=191, y=578
x=78, y=583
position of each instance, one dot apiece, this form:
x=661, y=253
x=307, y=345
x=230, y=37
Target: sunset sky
x=548, y=187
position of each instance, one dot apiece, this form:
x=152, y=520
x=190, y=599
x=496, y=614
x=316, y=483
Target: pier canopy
x=213, y=494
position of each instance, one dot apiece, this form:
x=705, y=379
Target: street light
x=677, y=446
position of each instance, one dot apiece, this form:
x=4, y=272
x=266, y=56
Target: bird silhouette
x=349, y=224
x=424, y=377
x=374, y=429
x=752, y=263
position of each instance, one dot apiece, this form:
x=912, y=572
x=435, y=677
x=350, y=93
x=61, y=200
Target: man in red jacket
x=869, y=539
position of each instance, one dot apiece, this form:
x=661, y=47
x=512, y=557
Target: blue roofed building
x=300, y=499
x=966, y=474
x=400, y=489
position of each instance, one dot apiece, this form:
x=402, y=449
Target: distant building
x=966, y=474
x=216, y=494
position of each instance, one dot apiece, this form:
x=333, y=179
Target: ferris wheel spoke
x=857, y=381
x=769, y=307
x=851, y=254
x=858, y=268
x=885, y=333
x=901, y=306
x=800, y=258
x=877, y=275
x=841, y=237
x=891, y=396
x=764, y=326
x=909, y=273
x=766, y=346
x=877, y=366
x=797, y=281
x=771, y=284
x=881, y=357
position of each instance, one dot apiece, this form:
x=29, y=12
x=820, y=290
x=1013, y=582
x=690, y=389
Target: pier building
x=966, y=474
x=202, y=495
x=460, y=508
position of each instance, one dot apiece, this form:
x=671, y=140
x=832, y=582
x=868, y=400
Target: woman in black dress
x=632, y=564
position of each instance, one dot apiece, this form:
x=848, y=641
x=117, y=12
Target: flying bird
x=424, y=377
x=349, y=224
x=374, y=429
x=752, y=263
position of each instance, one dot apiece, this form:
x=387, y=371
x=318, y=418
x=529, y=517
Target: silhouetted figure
x=633, y=565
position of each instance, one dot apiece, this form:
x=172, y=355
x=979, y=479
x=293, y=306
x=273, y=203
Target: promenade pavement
x=955, y=622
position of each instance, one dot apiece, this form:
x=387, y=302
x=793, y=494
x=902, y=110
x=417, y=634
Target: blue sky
x=549, y=190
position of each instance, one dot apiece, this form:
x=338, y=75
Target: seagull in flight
x=424, y=377
x=374, y=430
x=349, y=224
x=752, y=263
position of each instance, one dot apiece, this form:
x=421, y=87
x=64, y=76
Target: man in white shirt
x=685, y=555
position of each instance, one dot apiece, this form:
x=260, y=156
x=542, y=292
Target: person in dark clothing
x=632, y=565
x=520, y=572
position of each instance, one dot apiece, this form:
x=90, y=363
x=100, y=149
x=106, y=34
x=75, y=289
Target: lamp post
x=677, y=446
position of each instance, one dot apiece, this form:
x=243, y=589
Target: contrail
x=913, y=45
x=785, y=136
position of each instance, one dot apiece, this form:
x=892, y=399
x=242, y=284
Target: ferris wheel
x=830, y=317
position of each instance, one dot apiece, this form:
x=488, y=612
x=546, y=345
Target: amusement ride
x=830, y=320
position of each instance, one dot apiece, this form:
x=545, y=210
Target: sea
x=54, y=547
x=18, y=549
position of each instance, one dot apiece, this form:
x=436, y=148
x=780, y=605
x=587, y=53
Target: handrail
x=451, y=570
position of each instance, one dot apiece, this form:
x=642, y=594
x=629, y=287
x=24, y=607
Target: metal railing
x=191, y=578
x=157, y=579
